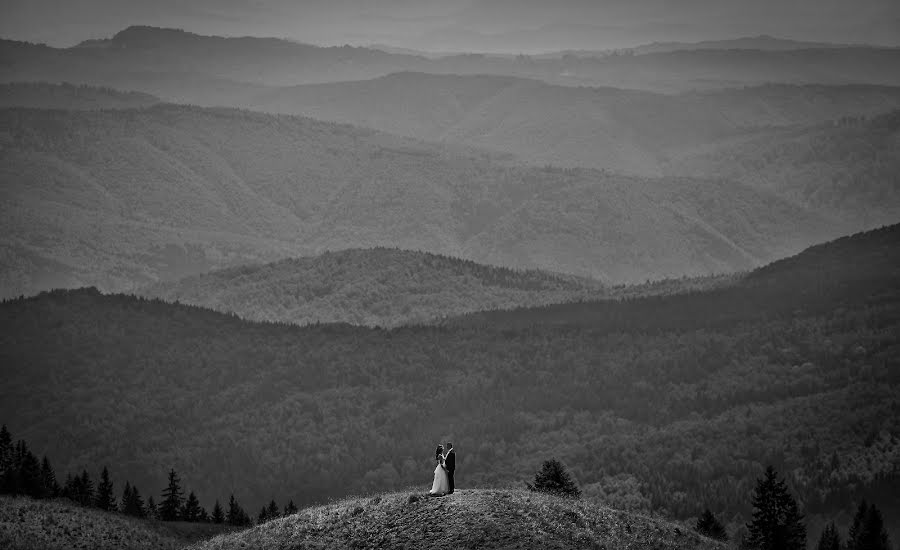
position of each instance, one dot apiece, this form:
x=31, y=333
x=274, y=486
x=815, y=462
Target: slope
x=467, y=519
x=793, y=366
x=27, y=524
x=123, y=198
x=42, y=95
x=384, y=287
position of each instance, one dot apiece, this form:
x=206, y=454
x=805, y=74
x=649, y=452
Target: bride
x=441, y=483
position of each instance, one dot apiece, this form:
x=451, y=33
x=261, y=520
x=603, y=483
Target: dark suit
x=450, y=465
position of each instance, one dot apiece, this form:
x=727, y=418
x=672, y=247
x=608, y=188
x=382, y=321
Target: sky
x=511, y=26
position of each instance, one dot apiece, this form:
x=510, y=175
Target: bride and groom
x=443, y=472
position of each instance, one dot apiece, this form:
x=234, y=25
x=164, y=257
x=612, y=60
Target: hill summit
x=467, y=519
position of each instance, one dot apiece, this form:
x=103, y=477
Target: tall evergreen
x=291, y=508
x=236, y=515
x=777, y=524
x=218, y=516
x=263, y=516
x=867, y=531
x=48, y=479
x=191, y=510
x=272, y=511
x=105, y=500
x=830, y=539
x=709, y=526
x=553, y=478
x=85, y=489
x=132, y=503
x=173, y=499
x=29, y=477
x=6, y=450
x=152, y=512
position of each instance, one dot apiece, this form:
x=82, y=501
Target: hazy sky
x=485, y=25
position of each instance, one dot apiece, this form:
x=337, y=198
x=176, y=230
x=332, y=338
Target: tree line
x=22, y=474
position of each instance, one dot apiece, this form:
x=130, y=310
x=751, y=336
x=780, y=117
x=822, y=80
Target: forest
x=794, y=365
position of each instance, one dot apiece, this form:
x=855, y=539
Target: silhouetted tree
x=263, y=516
x=709, y=526
x=867, y=531
x=173, y=499
x=553, y=478
x=191, y=510
x=105, y=500
x=291, y=508
x=29, y=477
x=6, y=450
x=48, y=479
x=218, y=516
x=777, y=524
x=829, y=540
x=84, y=489
x=272, y=511
x=132, y=503
x=152, y=512
x=236, y=515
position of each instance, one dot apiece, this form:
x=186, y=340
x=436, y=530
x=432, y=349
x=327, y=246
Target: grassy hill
x=794, y=365
x=384, y=287
x=27, y=524
x=123, y=198
x=42, y=95
x=471, y=518
x=608, y=128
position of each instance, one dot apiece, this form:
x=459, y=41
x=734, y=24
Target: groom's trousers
x=450, y=480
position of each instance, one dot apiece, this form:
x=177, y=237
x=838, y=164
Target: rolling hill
x=27, y=524
x=208, y=70
x=383, y=287
x=467, y=519
x=605, y=128
x=42, y=95
x=794, y=365
x=123, y=198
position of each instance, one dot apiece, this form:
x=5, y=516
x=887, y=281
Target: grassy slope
x=27, y=524
x=501, y=519
x=121, y=198
x=383, y=287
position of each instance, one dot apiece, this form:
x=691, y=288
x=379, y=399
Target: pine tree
x=263, y=516
x=291, y=508
x=829, y=540
x=777, y=524
x=6, y=452
x=86, y=489
x=867, y=531
x=709, y=526
x=553, y=478
x=105, y=500
x=29, y=477
x=272, y=511
x=218, y=516
x=48, y=479
x=173, y=499
x=191, y=510
x=152, y=512
x=236, y=515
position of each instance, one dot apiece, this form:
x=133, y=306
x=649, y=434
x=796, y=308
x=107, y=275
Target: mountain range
x=123, y=198
x=793, y=365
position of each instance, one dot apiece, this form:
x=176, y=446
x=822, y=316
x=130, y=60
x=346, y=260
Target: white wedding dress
x=441, y=482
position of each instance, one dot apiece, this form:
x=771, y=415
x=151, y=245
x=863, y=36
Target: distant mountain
x=607, y=128
x=799, y=355
x=68, y=96
x=479, y=519
x=762, y=42
x=384, y=287
x=848, y=168
x=207, y=70
x=124, y=198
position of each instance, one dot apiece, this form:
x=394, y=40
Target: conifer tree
x=709, y=526
x=29, y=477
x=85, y=489
x=867, y=531
x=829, y=540
x=105, y=500
x=6, y=451
x=291, y=508
x=132, y=503
x=218, y=516
x=191, y=510
x=236, y=515
x=272, y=511
x=173, y=499
x=553, y=478
x=152, y=512
x=48, y=479
x=263, y=516
x=777, y=524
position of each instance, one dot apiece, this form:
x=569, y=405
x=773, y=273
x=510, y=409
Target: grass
x=486, y=518
x=27, y=524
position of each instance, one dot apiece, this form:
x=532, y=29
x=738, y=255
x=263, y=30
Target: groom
x=450, y=465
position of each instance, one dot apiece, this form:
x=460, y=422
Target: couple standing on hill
x=443, y=473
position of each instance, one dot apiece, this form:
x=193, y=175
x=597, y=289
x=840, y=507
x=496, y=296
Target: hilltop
x=384, y=287
x=27, y=524
x=793, y=365
x=502, y=519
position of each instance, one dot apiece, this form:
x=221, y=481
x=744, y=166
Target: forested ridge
x=794, y=365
